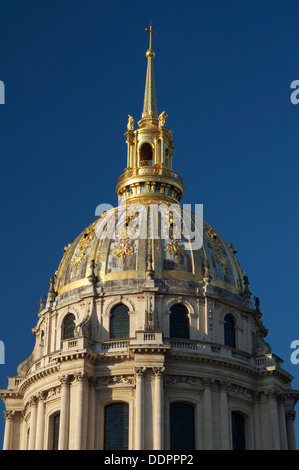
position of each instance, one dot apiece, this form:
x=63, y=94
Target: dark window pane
x=229, y=332
x=179, y=322
x=116, y=426
x=182, y=435
x=69, y=327
x=119, y=322
x=238, y=432
x=56, y=431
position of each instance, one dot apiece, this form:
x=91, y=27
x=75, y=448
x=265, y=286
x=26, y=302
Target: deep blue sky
x=74, y=70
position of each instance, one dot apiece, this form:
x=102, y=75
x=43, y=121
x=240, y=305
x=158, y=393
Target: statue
x=130, y=124
x=162, y=119
x=42, y=303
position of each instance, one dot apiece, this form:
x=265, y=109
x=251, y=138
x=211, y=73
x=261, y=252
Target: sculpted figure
x=162, y=119
x=130, y=125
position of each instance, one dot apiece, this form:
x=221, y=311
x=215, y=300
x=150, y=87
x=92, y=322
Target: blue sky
x=74, y=70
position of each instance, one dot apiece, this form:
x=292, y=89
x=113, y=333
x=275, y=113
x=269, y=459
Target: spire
x=150, y=104
x=148, y=174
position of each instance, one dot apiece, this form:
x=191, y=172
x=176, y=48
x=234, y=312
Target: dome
x=116, y=246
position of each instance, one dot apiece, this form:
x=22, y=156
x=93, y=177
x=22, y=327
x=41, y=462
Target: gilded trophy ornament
x=218, y=249
x=83, y=246
x=123, y=249
x=174, y=249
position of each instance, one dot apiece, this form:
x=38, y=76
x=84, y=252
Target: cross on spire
x=151, y=32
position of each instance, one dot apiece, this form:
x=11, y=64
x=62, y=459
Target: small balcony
x=149, y=171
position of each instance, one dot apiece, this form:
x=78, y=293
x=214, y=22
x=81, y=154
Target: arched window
x=229, y=331
x=56, y=422
x=182, y=435
x=116, y=426
x=119, y=322
x=179, y=322
x=146, y=154
x=68, y=329
x=238, y=431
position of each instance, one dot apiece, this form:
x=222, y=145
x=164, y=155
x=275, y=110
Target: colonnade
x=269, y=425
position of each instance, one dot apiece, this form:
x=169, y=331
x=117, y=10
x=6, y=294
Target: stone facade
x=78, y=377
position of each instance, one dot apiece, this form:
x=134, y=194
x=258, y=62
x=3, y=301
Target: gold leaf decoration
x=218, y=249
x=174, y=249
x=122, y=249
x=83, y=246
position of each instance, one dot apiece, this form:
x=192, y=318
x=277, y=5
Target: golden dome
x=115, y=247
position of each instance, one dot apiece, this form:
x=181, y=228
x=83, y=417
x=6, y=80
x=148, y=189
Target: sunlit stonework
x=150, y=342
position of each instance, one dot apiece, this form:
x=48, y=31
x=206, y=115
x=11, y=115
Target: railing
x=114, y=345
x=154, y=338
x=149, y=171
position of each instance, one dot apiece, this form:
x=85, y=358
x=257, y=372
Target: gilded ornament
x=83, y=246
x=126, y=229
x=218, y=249
x=174, y=249
x=123, y=249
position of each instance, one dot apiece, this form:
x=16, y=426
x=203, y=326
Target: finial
x=246, y=292
x=257, y=304
x=207, y=276
x=151, y=32
x=92, y=276
x=51, y=293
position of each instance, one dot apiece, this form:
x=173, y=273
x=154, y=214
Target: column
x=40, y=421
x=257, y=422
x=223, y=418
x=91, y=415
x=64, y=412
x=128, y=153
x=273, y=413
x=139, y=374
x=282, y=424
x=291, y=430
x=156, y=162
x=208, y=414
x=158, y=408
x=162, y=159
x=32, y=432
x=79, y=426
x=136, y=154
x=9, y=417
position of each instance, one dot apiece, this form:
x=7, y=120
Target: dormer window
x=68, y=328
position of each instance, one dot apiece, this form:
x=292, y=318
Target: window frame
x=71, y=328
x=229, y=331
x=126, y=424
x=174, y=316
x=113, y=334
x=174, y=419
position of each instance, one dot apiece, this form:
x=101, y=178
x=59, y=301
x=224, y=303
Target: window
x=179, y=322
x=120, y=322
x=116, y=426
x=229, y=331
x=56, y=422
x=182, y=436
x=238, y=432
x=68, y=327
x=146, y=154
